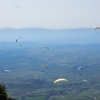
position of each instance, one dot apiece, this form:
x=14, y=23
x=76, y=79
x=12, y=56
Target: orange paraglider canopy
x=96, y=28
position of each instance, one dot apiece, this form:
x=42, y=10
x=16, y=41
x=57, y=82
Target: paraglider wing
x=16, y=6
x=46, y=47
x=18, y=39
x=96, y=28
x=44, y=65
x=60, y=80
x=85, y=81
x=80, y=68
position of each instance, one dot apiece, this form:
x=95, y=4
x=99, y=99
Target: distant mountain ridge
x=37, y=28
x=56, y=36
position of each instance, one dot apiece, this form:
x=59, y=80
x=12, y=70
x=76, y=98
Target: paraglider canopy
x=44, y=65
x=18, y=39
x=85, y=81
x=96, y=28
x=60, y=80
x=46, y=48
x=16, y=7
x=80, y=68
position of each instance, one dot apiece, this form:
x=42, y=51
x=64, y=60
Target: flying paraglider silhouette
x=44, y=65
x=18, y=39
x=16, y=7
x=46, y=48
x=60, y=80
x=80, y=68
x=96, y=29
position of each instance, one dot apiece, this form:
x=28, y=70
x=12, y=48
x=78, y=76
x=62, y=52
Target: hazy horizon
x=58, y=36
x=50, y=21
x=51, y=14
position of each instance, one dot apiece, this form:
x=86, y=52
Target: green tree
x=3, y=94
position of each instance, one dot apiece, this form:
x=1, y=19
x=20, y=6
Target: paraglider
x=60, y=80
x=46, y=48
x=44, y=65
x=97, y=29
x=80, y=68
x=18, y=39
x=85, y=81
x=16, y=7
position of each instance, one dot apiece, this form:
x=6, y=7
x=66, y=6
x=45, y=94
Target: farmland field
x=26, y=79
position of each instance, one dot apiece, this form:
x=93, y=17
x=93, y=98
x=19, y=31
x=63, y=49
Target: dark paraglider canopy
x=16, y=7
x=46, y=48
x=18, y=39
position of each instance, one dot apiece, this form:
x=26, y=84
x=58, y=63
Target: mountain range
x=55, y=36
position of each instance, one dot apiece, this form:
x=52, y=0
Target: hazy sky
x=54, y=14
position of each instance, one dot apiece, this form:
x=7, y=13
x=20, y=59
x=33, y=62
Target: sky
x=52, y=14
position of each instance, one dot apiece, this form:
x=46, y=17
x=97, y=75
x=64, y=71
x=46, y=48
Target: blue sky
x=53, y=14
